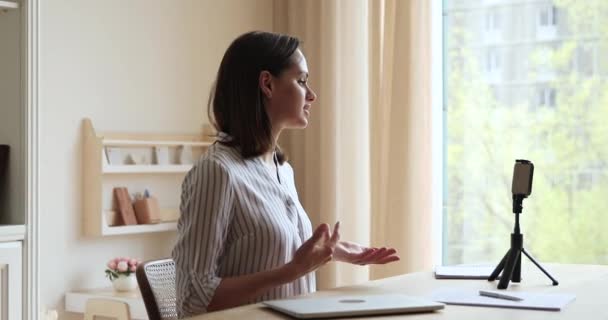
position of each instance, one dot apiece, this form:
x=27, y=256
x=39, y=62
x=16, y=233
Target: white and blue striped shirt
x=237, y=218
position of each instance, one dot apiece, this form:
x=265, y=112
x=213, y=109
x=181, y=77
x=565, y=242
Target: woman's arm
x=313, y=253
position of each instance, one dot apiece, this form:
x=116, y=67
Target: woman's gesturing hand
x=355, y=253
x=317, y=250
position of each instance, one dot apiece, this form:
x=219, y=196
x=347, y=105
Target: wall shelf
x=163, y=180
x=145, y=228
x=6, y=5
x=138, y=169
x=120, y=143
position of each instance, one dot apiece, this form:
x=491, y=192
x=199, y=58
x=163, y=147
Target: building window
x=548, y=16
x=492, y=21
x=546, y=97
x=547, y=22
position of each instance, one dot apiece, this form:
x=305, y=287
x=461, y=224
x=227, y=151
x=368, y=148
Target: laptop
x=352, y=305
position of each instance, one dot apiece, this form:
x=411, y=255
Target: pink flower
x=112, y=265
x=122, y=266
x=133, y=262
x=133, y=268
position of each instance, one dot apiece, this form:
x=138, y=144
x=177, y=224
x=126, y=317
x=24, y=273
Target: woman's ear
x=265, y=83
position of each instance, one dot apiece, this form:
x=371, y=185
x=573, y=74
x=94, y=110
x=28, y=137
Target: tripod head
x=521, y=187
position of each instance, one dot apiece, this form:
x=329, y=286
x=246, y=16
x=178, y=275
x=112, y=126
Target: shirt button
x=289, y=202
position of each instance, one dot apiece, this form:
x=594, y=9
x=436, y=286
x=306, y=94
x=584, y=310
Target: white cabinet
x=13, y=62
x=11, y=273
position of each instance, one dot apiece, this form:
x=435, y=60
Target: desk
x=588, y=282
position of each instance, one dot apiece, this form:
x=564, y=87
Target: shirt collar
x=223, y=137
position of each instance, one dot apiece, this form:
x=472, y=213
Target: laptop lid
x=352, y=305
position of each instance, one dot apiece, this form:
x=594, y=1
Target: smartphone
x=523, y=171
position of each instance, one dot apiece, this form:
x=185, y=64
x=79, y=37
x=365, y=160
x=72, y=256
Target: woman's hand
x=354, y=253
x=316, y=251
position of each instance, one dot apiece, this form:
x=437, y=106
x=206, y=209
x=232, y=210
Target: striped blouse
x=236, y=218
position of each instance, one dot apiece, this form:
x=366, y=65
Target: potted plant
x=121, y=271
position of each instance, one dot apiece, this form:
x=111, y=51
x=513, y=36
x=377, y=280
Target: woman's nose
x=311, y=95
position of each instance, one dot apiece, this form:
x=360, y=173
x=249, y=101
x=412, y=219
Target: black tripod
x=511, y=262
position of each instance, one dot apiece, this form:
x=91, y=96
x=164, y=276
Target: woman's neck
x=268, y=157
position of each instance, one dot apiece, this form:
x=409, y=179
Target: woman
x=242, y=235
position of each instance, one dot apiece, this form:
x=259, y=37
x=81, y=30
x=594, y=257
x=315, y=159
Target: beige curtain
x=365, y=158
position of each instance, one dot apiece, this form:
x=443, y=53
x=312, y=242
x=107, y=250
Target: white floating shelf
x=144, y=143
x=139, y=228
x=101, y=177
x=8, y=5
x=134, y=169
x=12, y=232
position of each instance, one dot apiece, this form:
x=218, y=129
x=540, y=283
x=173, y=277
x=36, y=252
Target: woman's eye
x=302, y=82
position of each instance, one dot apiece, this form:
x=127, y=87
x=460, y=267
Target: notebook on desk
x=352, y=305
x=473, y=271
x=530, y=300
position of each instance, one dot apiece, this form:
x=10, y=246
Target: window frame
x=438, y=137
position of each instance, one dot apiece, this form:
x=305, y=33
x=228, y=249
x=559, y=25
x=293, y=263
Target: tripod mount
x=510, y=265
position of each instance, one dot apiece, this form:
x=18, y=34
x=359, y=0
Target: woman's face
x=288, y=96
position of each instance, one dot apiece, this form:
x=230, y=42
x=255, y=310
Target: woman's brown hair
x=236, y=104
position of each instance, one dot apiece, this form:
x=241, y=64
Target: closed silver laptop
x=352, y=305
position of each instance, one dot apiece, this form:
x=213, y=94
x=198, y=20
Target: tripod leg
x=517, y=271
x=541, y=268
x=509, y=267
x=499, y=267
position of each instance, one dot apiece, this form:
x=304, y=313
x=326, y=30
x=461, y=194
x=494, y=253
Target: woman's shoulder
x=220, y=156
x=288, y=170
x=287, y=167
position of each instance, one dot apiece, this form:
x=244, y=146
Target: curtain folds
x=365, y=158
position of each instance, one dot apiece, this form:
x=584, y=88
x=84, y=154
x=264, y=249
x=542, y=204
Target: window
x=493, y=66
x=492, y=61
x=546, y=97
x=548, y=106
x=548, y=16
x=547, y=22
x=492, y=21
x=492, y=29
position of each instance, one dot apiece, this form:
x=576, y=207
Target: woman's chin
x=300, y=124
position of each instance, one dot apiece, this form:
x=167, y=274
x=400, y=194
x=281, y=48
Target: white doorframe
x=30, y=88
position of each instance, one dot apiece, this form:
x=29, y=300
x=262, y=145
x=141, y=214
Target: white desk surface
x=75, y=301
x=588, y=282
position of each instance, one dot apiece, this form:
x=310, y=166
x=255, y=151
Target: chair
x=156, y=281
x=106, y=308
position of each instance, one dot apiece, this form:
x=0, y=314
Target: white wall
x=134, y=65
x=11, y=121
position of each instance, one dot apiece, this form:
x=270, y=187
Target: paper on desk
x=534, y=301
x=463, y=272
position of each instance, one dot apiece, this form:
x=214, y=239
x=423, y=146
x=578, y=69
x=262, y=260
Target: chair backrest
x=156, y=281
x=106, y=308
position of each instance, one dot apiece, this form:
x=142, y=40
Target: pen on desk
x=497, y=295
